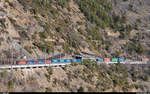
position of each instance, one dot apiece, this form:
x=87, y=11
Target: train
x=99, y=60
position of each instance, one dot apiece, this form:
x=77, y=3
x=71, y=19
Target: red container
x=107, y=59
x=22, y=62
x=145, y=59
x=35, y=61
x=48, y=61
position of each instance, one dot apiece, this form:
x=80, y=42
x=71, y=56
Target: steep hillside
x=78, y=77
x=43, y=28
x=108, y=28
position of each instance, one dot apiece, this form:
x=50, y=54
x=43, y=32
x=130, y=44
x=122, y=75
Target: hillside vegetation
x=107, y=28
x=102, y=27
x=87, y=76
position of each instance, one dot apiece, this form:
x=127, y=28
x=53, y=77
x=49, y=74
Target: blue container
x=100, y=60
x=78, y=60
x=73, y=60
x=54, y=61
x=30, y=62
x=122, y=60
x=61, y=60
x=40, y=61
x=57, y=61
x=67, y=60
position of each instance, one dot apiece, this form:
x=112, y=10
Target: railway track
x=57, y=64
x=31, y=66
x=56, y=61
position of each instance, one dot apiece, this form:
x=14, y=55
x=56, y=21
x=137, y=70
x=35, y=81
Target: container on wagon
x=40, y=61
x=106, y=59
x=57, y=61
x=100, y=60
x=78, y=60
x=35, y=61
x=30, y=62
x=114, y=59
x=61, y=60
x=54, y=61
x=145, y=59
x=74, y=60
x=48, y=61
x=121, y=60
x=67, y=60
x=21, y=62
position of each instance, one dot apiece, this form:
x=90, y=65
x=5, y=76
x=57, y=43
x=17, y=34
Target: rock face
x=39, y=25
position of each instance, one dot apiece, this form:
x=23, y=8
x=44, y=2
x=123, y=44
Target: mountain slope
x=78, y=77
x=91, y=26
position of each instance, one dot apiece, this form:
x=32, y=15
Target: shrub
x=74, y=64
x=135, y=76
x=80, y=31
x=66, y=48
x=90, y=89
x=3, y=25
x=79, y=22
x=3, y=74
x=63, y=3
x=32, y=79
x=50, y=71
x=138, y=20
x=145, y=77
x=10, y=84
x=44, y=46
x=58, y=29
x=140, y=49
x=136, y=86
x=67, y=21
x=48, y=89
x=136, y=26
x=130, y=7
x=28, y=48
x=23, y=34
x=43, y=35
x=124, y=19
x=96, y=13
x=125, y=88
x=81, y=89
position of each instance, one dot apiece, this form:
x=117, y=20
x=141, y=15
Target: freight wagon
x=21, y=62
x=30, y=62
x=145, y=59
x=41, y=61
x=48, y=61
x=67, y=60
x=114, y=59
x=100, y=60
x=121, y=60
x=76, y=60
x=107, y=60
